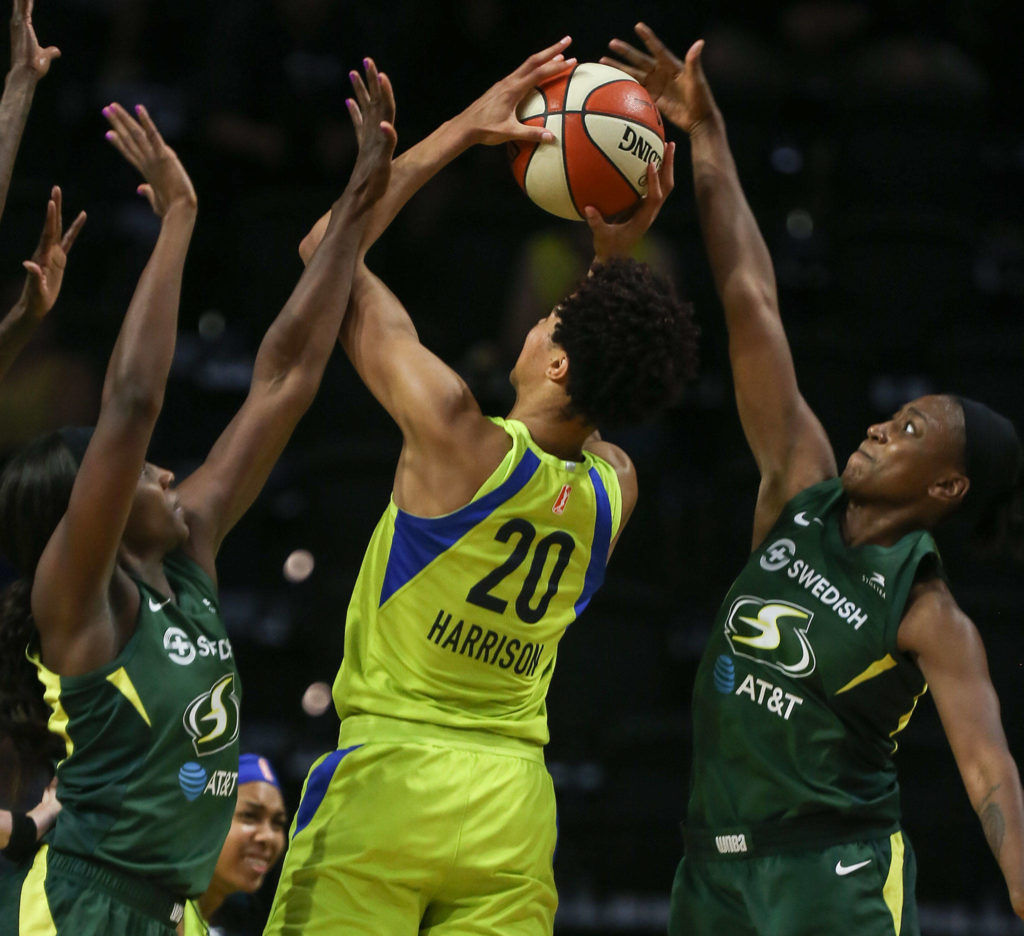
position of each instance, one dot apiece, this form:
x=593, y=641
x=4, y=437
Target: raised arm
x=491, y=119
x=951, y=656
x=70, y=595
x=29, y=63
x=293, y=354
x=786, y=438
x=42, y=283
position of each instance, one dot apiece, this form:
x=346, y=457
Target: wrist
x=461, y=133
x=23, y=77
x=708, y=125
x=24, y=835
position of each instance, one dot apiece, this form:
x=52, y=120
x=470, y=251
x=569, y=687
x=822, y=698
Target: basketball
x=606, y=131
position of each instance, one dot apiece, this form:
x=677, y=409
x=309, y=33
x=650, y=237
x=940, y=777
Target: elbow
x=135, y=402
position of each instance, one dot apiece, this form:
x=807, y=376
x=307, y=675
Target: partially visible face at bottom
x=256, y=838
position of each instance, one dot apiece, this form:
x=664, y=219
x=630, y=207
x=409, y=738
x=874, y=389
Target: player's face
x=902, y=457
x=156, y=517
x=255, y=840
x=536, y=352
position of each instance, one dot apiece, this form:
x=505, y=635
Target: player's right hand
x=167, y=183
x=491, y=118
x=678, y=87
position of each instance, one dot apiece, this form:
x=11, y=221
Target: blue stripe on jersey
x=418, y=541
x=602, y=539
x=316, y=787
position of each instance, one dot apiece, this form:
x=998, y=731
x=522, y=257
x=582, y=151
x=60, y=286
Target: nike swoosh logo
x=157, y=605
x=842, y=869
x=801, y=520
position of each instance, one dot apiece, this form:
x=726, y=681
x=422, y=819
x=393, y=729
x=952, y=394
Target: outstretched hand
x=139, y=141
x=491, y=119
x=618, y=240
x=373, y=116
x=25, y=49
x=677, y=87
x=46, y=268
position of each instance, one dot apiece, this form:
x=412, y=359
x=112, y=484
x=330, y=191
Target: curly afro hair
x=632, y=344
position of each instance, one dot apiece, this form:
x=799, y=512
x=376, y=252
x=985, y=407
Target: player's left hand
x=44, y=814
x=619, y=239
x=491, y=118
x=46, y=268
x=26, y=53
x=373, y=116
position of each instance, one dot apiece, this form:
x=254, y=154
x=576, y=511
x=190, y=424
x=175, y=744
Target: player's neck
x=865, y=523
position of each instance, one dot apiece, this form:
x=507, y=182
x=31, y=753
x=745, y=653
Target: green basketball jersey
x=148, y=783
x=455, y=620
x=802, y=688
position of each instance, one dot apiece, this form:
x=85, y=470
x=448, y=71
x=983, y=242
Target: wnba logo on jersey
x=562, y=500
x=211, y=719
x=771, y=632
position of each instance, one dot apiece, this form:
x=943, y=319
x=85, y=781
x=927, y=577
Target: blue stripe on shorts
x=316, y=787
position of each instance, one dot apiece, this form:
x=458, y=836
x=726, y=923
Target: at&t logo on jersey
x=773, y=633
x=195, y=781
x=211, y=719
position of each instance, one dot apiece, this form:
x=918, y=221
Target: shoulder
x=621, y=464
x=933, y=621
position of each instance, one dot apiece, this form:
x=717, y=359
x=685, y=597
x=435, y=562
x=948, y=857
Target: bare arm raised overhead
x=293, y=354
x=786, y=438
x=42, y=284
x=29, y=63
x=449, y=446
x=79, y=627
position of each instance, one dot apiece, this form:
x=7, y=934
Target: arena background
x=882, y=148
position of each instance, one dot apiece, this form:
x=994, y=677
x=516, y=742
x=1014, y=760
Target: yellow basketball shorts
x=411, y=828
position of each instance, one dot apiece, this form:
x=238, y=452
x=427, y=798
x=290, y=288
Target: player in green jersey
x=839, y=621
x=118, y=600
x=436, y=813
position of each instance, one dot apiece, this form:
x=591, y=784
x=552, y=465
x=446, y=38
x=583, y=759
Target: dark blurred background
x=882, y=148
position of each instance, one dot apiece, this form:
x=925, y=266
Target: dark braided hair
x=631, y=344
x=35, y=488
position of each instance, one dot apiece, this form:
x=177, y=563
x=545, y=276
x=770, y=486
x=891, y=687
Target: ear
x=558, y=366
x=952, y=489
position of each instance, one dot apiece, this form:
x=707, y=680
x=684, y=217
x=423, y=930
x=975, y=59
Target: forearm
x=301, y=338
x=995, y=794
x=737, y=253
x=16, y=328
x=19, y=89
x=409, y=173
x=141, y=359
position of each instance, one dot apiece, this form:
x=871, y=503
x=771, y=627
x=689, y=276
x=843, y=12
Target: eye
x=909, y=427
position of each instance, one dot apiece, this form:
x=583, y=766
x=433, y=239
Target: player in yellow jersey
x=436, y=813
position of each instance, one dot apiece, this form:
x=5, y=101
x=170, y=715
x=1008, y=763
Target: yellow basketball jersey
x=455, y=620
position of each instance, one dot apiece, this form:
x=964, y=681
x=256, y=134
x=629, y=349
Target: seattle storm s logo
x=771, y=632
x=212, y=718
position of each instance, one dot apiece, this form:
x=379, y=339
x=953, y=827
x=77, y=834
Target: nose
x=878, y=432
x=166, y=478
